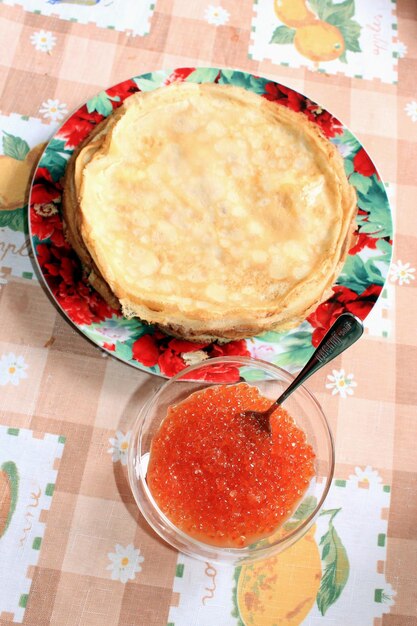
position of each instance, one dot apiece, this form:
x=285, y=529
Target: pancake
x=210, y=211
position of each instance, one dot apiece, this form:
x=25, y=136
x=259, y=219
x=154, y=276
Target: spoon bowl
x=345, y=331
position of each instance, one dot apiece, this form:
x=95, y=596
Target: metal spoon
x=345, y=331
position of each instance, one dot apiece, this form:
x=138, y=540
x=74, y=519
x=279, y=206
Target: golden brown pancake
x=209, y=211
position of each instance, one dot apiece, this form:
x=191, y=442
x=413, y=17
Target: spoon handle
x=345, y=331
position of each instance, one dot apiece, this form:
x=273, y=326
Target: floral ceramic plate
x=357, y=288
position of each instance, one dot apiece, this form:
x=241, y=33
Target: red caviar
x=219, y=477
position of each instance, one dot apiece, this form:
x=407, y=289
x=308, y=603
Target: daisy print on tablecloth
x=411, y=110
x=216, y=15
x=43, y=40
x=53, y=110
x=12, y=369
x=341, y=383
x=403, y=272
x=367, y=477
x=125, y=562
x=119, y=447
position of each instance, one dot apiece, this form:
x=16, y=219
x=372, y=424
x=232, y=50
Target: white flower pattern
x=411, y=110
x=53, y=110
x=262, y=352
x=341, y=383
x=12, y=369
x=43, y=40
x=117, y=333
x=125, y=563
x=119, y=447
x=403, y=272
x=344, y=148
x=193, y=358
x=216, y=15
x=367, y=475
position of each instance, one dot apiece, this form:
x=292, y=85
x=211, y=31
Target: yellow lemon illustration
x=281, y=590
x=293, y=13
x=319, y=41
x=15, y=177
x=9, y=482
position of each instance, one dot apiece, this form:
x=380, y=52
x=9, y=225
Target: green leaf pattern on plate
x=358, y=274
x=55, y=158
x=203, y=75
x=102, y=103
x=151, y=81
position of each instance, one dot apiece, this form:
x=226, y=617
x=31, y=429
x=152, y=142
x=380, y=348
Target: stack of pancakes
x=209, y=211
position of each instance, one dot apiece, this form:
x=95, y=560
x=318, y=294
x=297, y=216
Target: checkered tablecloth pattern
x=57, y=388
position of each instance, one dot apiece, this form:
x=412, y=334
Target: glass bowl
x=271, y=381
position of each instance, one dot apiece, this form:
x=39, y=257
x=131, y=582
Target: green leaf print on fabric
x=235, y=611
x=15, y=220
x=283, y=34
x=305, y=509
x=336, y=563
x=327, y=9
x=340, y=12
x=15, y=147
x=351, y=31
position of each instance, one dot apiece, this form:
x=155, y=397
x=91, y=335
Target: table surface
x=73, y=548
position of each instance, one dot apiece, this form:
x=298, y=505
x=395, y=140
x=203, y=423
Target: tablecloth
x=74, y=550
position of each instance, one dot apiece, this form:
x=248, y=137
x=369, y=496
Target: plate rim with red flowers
x=144, y=346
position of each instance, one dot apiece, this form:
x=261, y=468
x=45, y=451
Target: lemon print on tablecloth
x=16, y=168
x=9, y=485
x=319, y=41
x=293, y=13
x=321, y=30
x=283, y=588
